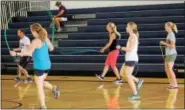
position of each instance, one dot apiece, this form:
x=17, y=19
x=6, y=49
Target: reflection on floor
x=88, y=92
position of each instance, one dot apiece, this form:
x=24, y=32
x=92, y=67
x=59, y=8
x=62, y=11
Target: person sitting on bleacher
x=60, y=17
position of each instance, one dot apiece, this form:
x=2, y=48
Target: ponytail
x=40, y=31
x=173, y=26
x=43, y=34
x=116, y=32
x=137, y=34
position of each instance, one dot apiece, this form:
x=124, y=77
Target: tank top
x=114, y=44
x=132, y=55
x=41, y=59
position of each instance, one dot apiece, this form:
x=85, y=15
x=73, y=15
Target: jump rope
x=161, y=48
x=17, y=58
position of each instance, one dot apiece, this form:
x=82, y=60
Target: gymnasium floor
x=88, y=92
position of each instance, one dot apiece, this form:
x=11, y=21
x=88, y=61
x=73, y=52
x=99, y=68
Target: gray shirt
x=170, y=38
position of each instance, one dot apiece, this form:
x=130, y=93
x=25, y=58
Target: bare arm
x=60, y=13
x=31, y=49
x=170, y=45
x=17, y=49
x=131, y=41
x=50, y=45
x=112, y=37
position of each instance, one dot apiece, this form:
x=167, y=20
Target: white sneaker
x=59, y=30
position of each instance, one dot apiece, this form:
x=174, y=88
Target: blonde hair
x=114, y=28
x=134, y=28
x=172, y=25
x=39, y=30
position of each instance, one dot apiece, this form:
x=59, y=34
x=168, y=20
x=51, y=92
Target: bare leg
x=39, y=80
x=168, y=73
x=105, y=70
x=47, y=84
x=172, y=74
x=23, y=71
x=19, y=72
x=136, y=80
x=57, y=22
x=130, y=80
x=115, y=70
x=122, y=71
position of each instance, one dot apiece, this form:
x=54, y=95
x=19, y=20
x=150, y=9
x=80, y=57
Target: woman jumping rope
x=131, y=60
x=111, y=59
x=171, y=53
x=41, y=61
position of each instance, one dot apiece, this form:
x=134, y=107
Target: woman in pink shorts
x=113, y=54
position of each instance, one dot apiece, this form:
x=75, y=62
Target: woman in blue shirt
x=41, y=60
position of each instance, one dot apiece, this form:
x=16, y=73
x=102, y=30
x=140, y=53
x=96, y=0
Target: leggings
x=111, y=59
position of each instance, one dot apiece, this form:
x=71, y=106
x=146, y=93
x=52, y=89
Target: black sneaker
x=56, y=92
x=17, y=79
x=99, y=77
x=118, y=81
x=28, y=80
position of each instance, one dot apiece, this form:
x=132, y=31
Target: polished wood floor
x=88, y=92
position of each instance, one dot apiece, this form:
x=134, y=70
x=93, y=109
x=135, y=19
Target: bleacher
x=86, y=30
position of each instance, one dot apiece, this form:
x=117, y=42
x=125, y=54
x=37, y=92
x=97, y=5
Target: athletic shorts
x=63, y=18
x=171, y=58
x=24, y=61
x=131, y=63
x=41, y=72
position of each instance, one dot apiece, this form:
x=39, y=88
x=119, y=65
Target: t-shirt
x=170, y=38
x=23, y=44
x=65, y=11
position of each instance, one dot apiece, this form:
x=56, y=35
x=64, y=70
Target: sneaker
x=17, y=79
x=118, y=81
x=139, y=84
x=44, y=107
x=99, y=77
x=134, y=97
x=59, y=30
x=56, y=92
x=28, y=80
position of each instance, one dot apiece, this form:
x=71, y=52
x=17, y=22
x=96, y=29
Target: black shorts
x=131, y=63
x=41, y=72
x=24, y=61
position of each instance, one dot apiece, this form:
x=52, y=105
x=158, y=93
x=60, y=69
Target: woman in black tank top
x=111, y=59
x=114, y=43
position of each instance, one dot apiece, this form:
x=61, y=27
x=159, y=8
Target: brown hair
x=134, y=28
x=114, y=28
x=21, y=30
x=58, y=3
x=39, y=30
x=172, y=25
